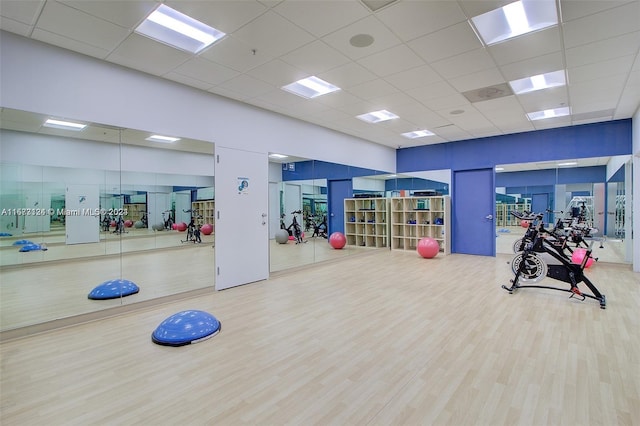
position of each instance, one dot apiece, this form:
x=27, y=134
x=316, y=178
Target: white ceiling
x=424, y=56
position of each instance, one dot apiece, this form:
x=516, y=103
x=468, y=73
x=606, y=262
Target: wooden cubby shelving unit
x=366, y=222
x=206, y=209
x=413, y=218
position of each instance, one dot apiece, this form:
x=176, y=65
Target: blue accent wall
x=584, y=141
x=416, y=184
x=552, y=176
x=305, y=170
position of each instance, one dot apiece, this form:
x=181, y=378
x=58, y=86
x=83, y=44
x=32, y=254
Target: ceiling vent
x=488, y=93
x=375, y=5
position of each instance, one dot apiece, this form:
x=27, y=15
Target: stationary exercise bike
x=193, y=230
x=295, y=229
x=542, y=256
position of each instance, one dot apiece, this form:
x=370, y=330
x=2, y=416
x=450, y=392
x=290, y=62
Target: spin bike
x=295, y=229
x=542, y=256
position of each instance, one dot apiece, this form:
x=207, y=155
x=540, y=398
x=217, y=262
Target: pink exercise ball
x=578, y=255
x=206, y=229
x=524, y=223
x=428, y=247
x=337, y=240
x=181, y=227
x=128, y=223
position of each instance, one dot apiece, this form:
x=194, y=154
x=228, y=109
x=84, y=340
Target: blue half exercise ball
x=186, y=327
x=113, y=289
x=32, y=247
x=22, y=242
x=5, y=234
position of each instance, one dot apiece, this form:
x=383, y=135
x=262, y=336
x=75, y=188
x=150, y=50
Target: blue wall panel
x=306, y=170
x=584, y=141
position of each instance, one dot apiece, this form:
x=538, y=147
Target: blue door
x=337, y=191
x=540, y=204
x=473, y=209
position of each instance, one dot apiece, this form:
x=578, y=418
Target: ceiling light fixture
x=417, y=134
x=65, y=125
x=549, y=113
x=569, y=163
x=310, y=87
x=499, y=169
x=176, y=29
x=538, y=82
x=278, y=156
x=164, y=139
x=515, y=19
x=377, y=116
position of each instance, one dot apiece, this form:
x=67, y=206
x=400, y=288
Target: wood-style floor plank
x=380, y=338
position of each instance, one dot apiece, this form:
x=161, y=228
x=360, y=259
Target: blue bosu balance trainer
x=22, y=242
x=113, y=289
x=186, y=327
x=32, y=247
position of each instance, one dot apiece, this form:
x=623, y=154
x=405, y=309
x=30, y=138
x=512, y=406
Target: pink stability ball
x=206, y=229
x=578, y=255
x=181, y=226
x=128, y=223
x=524, y=223
x=428, y=247
x=337, y=240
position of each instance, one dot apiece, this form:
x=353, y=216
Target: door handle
x=489, y=216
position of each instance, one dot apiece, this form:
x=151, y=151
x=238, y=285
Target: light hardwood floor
x=379, y=338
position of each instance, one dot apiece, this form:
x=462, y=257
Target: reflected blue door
x=337, y=191
x=473, y=209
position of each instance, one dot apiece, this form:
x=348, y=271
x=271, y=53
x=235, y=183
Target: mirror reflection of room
x=582, y=200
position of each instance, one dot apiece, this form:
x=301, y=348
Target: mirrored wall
x=99, y=209
x=588, y=196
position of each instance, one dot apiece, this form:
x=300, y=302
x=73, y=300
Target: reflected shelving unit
x=366, y=222
x=205, y=211
x=413, y=218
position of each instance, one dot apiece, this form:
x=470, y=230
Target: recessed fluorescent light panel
x=569, y=163
x=538, y=82
x=176, y=29
x=515, y=19
x=65, y=125
x=164, y=139
x=377, y=116
x=278, y=156
x=549, y=113
x=310, y=87
x=417, y=134
x=499, y=169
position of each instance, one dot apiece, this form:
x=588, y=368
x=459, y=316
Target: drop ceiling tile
x=235, y=54
x=147, y=55
x=416, y=77
x=602, y=50
x=277, y=73
x=273, y=34
x=485, y=78
x=282, y=99
x=499, y=105
x=474, y=8
x=446, y=43
x=322, y=17
x=70, y=44
x=545, y=99
x=533, y=66
x=315, y=58
x=394, y=60
x=432, y=91
x=574, y=9
x=383, y=38
x=465, y=63
x=226, y=16
x=126, y=14
x=25, y=12
x=231, y=94
x=412, y=19
x=447, y=102
x=348, y=75
x=452, y=133
x=373, y=89
x=73, y=24
x=205, y=71
x=245, y=85
x=600, y=26
x=187, y=81
x=340, y=100
x=621, y=65
x=15, y=27
x=527, y=46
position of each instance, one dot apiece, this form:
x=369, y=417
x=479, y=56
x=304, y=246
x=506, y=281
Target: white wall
x=44, y=79
x=635, y=131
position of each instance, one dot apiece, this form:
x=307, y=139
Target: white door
x=82, y=219
x=242, y=222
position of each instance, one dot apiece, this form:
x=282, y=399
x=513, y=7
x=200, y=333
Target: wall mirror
x=97, y=205
x=592, y=190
